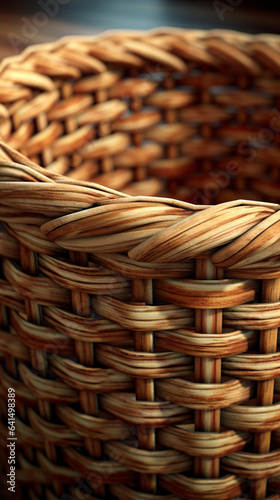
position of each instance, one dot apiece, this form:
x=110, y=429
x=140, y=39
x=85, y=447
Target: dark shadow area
x=243, y=15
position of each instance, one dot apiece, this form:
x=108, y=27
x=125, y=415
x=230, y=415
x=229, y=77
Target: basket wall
x=140, y=330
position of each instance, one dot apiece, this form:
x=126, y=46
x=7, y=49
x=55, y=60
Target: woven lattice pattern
x=140, y=330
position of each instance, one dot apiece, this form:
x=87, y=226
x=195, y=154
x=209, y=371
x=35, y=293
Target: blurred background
x=34, y=21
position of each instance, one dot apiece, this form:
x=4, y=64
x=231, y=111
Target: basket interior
x=188, y=115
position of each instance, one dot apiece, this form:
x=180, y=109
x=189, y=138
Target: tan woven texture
x=139, y=327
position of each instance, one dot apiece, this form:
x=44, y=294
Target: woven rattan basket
x=139, y=327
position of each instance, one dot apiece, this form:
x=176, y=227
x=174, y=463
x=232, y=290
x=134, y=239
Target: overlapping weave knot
x=241, y=234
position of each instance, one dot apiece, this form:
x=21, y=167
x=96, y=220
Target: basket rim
x=21, y=160
x=194, y=33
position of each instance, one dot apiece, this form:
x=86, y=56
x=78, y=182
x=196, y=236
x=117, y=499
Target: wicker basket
x=139, y=328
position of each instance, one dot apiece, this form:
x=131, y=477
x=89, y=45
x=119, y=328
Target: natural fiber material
x=139, y=330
